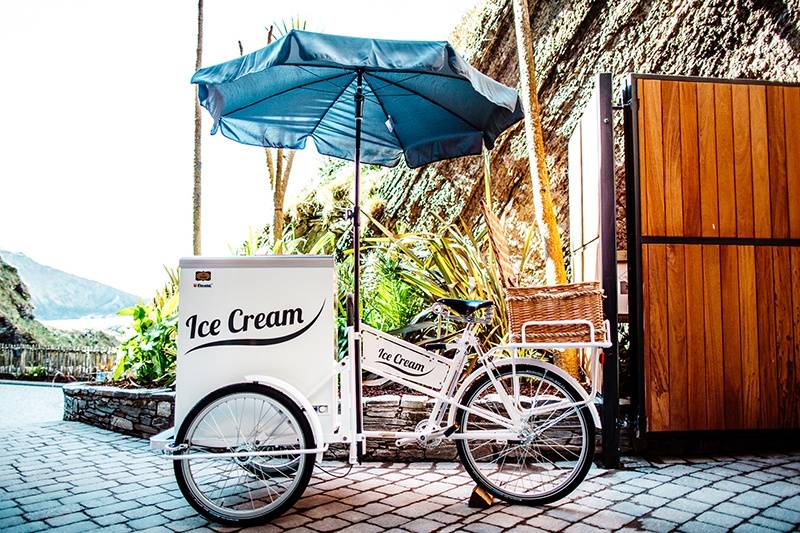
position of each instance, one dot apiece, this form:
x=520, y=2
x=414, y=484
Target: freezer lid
x=261, y=261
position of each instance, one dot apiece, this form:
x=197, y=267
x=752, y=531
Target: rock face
x=16, y=310
x=574, y=41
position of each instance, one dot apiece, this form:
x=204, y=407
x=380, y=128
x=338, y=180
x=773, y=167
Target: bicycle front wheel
x=244, y=489
x=549, y=458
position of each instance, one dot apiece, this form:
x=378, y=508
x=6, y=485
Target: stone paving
x=66, y=476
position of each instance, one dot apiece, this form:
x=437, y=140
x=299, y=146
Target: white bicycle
x=524, y=429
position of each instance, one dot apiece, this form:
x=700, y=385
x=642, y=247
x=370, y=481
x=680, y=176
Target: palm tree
x=279, y=162
x=544, y=214
x=197, y=135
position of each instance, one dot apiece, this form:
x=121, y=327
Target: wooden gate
x=714, y=207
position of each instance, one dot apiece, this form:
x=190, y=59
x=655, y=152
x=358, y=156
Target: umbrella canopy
x=421, y=100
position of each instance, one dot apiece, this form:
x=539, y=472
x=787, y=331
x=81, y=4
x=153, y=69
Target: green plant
x=148, y=354
x=35, y=371
x=454, y=263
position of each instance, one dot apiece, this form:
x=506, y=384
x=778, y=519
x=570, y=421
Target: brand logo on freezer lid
x=244, y=324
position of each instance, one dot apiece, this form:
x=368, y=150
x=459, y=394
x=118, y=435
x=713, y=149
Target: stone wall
x=137, y=412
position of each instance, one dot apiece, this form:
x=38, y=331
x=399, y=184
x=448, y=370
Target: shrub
x=147, y=355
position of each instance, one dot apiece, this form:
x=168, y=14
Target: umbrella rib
x=333, y=103
x=388, y=117
x=437, y=104
x=294, y=88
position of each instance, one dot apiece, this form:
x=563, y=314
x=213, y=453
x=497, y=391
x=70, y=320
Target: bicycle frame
x=448, y=397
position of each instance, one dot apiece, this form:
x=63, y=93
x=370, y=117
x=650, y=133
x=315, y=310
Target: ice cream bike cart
x=260, y=393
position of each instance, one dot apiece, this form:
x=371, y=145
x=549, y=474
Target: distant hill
x=18, y=326
x=58, y=295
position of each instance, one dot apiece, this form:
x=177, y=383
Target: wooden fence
x=79, y=363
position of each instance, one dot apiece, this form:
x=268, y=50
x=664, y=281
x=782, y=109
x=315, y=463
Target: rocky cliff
x=574, y=41
x=18, y=325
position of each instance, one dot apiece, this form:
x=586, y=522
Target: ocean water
x=111, y=324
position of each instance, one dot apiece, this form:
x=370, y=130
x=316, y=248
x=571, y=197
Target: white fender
x=298, y=398
x=528, y=361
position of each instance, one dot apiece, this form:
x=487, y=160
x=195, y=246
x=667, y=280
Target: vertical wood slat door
x=719, y=198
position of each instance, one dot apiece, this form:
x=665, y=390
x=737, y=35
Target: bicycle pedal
x=449, y=431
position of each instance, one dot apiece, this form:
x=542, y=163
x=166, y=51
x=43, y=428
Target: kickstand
x=480, y=499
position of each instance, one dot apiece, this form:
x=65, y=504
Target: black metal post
x=633, y=219
x=608, y=257
x=359, y=101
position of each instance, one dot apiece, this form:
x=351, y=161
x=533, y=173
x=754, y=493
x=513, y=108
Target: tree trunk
x=198, y=125
x=544, y=214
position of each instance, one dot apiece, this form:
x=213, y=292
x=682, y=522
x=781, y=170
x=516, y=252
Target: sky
x=96, y=142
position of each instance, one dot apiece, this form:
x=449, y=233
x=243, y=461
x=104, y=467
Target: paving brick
x=389, y=520
x=756, y=499
x=13, y=511
x=148, y=521
x=27, y=527
x=191, y=523
x=481, y=527
x=784, y=514
x=736, y=509
x=570, y=512
x=613, y=495
x=781, y=489
x=324, y=511
x=631, y=508
x=719, y=519
x=75, y=527
x=418, y=509
x=670, y=491
x=700, y=527
x=775, y=525
x=65, y=519
x=656, y=524
x=362, y=528
x=710, y=495
x=11, y=521
x=749, y=527
x=328, y=524
x=673, y=515
x=609, y=519
x=548, y=523
x=648, y=500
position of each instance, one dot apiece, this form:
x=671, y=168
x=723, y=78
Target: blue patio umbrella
x=369, y=100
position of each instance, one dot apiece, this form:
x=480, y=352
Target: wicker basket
x=577, y=301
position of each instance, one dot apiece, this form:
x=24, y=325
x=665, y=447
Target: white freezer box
x=265, y=315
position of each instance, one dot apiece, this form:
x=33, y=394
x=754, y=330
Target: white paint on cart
x=266, y=315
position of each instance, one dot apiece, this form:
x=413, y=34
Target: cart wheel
x=554, y=453
x=244, y=490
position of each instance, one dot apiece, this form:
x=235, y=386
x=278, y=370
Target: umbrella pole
x=357, y=265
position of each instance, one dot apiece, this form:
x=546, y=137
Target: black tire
x=303, y=471
x=583, y=464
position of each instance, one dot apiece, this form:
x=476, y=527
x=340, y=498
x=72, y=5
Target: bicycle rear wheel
x=551, y=456
x=244, y=490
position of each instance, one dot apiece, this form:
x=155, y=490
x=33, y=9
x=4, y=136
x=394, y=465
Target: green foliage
x=148, y=354
x=35, y=371
x=454, y=263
